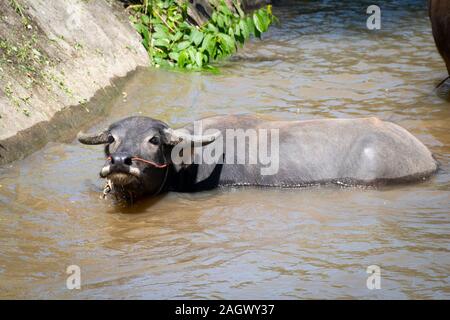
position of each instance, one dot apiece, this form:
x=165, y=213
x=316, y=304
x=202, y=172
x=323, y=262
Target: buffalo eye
x=154, y=140
x=110, y=146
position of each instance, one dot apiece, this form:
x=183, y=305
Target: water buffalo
x=145, y=156
x=439, y=11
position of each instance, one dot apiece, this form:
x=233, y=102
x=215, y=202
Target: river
x=320, y=62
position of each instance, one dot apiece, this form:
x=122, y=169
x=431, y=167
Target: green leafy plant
x=172, y=41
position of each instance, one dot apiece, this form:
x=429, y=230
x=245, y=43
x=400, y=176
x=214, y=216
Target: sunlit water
x=320, y=62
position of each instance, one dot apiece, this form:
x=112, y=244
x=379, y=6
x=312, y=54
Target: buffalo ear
x=182, y=135
x=101, y=137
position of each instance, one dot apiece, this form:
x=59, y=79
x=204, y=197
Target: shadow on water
x=137, y=206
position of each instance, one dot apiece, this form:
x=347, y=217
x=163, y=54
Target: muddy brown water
x=320, y=62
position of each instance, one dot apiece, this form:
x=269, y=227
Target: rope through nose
x=150, y=162
x=145, y=161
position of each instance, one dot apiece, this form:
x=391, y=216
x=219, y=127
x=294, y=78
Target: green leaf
x=182, y=59
x=183, y=45
x=161, y=54
x=161, y=28
x=145, y=19
x=139, y=27
x=220, y=21
x=245, y=31
x=237, y=30
x=196, y=37
x=226, y=21
x=224, y=8
x=208, y=44
x=214, y=16
x=258, y=21
x=192, y=53
x=177, y=36
x=229, y=43
x=162, y=42
x=265, y=18
x=174, y=55
x=231, y=32
x=159, y=35
x=199, y=59
x=146, y=38
x=212, y=27
x=250, y=25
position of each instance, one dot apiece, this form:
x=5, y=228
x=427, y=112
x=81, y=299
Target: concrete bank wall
x=55, y=54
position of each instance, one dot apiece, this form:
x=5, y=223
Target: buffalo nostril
x=128, y=161
x=121, y=159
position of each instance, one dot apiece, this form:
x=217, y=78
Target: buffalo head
x=138, y=153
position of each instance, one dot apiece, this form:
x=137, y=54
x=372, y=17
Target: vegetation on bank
x=173, y=41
